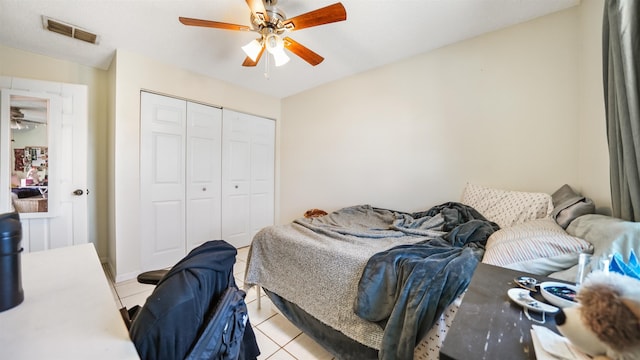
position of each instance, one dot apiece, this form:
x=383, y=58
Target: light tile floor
x=278, y=338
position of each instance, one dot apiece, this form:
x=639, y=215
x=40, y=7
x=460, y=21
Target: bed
x=369, y=283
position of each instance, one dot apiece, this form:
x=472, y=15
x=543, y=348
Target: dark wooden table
x=488, y=325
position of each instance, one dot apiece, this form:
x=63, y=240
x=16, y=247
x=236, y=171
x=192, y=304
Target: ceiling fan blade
x=305, y=53
x=258, y=10
x=213, y=24
x=325, y=15
x=248, y=62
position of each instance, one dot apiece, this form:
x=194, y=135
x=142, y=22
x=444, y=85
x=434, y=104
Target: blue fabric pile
x=631, y=269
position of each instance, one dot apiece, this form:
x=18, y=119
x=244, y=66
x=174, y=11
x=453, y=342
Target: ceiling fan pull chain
x=266, y=67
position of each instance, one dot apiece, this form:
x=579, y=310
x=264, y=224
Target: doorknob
x=78, y=192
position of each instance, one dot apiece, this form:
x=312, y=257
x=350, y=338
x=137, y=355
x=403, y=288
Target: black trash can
x=11, y=293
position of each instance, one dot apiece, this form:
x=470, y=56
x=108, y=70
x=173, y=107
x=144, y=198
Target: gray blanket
x=317, y=263
x=406, y=288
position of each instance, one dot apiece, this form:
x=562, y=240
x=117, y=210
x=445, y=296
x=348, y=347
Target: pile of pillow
x=568, y=205
x=608, y=235
x=532, y=236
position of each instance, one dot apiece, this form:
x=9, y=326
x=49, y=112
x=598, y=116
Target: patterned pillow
x=539, y=246
x=507, y=208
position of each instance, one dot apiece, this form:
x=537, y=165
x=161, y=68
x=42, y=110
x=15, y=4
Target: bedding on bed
x=317, y=262
x=406, y=288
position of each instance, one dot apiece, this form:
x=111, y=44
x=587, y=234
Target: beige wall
x=132, y=73
x=504, y=109
x=18, y=63
x=593, y=148
x=519, y=108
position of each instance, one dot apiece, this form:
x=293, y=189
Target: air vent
x=69, y=30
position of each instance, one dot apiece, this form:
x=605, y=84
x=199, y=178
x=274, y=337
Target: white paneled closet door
x=162, y=180
x=248, y=171
x=204, y=132
x=180, y=146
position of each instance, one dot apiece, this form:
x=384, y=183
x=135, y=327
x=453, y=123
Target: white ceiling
x=376, y=32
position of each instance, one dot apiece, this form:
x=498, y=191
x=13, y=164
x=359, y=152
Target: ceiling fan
x=271, y=23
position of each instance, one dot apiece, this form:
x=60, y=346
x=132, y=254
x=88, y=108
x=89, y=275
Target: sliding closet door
x=180, y=167
x=162, y=180
x=247, y=176
x=204, y=132
x=262, y=174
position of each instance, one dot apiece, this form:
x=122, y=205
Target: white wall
x=501, y=110
x=18, y=63
x=129, y=74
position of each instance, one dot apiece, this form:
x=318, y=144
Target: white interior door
x=65, y=221
x=247, y=176
x=72, y=221
x=162, y=180
x=204, y=132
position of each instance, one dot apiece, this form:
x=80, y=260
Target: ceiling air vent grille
x=69, y=30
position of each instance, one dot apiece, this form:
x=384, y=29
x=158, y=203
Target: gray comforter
x=317, y=263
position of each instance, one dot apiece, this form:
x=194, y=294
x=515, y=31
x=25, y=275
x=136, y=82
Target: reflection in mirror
x=29, y=154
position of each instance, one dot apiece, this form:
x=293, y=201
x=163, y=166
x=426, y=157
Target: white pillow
x=505, y=207
x=539, y=246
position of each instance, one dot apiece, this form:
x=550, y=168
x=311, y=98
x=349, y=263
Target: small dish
x=524, y=299
x=559, y=294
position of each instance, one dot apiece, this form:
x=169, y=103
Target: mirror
x=29, y=153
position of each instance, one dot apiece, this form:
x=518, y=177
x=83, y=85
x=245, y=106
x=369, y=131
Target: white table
x=68, y=310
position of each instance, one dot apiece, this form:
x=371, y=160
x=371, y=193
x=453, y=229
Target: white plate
x=522, y=298
x=557, y=300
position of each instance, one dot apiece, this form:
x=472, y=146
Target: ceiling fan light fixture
x=274, y=43
x=252, y=49
x=275, y=46
x=280, y=57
